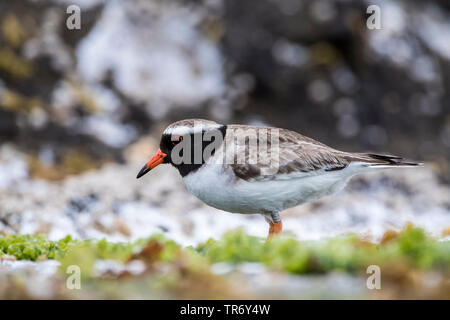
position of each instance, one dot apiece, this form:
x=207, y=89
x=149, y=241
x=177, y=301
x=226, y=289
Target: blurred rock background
x=313, y=66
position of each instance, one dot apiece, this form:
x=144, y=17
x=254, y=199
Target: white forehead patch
x=197, y=128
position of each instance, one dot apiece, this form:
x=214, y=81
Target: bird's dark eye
x=175, y=141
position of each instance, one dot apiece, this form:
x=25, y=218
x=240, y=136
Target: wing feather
x=296, y=154
x=302, y=156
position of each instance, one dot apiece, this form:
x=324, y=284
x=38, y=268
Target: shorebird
x=229, y=167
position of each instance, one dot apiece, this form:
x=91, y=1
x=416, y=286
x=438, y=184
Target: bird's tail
x=385, y=161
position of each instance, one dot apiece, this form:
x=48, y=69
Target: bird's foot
x=275, y=228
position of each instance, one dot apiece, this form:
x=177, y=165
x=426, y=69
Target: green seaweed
x=343, y=253
x=28, y=247
x=411, y=247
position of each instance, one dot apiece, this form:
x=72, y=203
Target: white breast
x=217, y=186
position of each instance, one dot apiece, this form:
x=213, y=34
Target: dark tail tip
x=392, y=160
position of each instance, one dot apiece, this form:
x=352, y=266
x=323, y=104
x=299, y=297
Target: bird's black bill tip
x=143, y=171
x=155, y=161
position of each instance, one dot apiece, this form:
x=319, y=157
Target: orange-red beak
x=156, y=160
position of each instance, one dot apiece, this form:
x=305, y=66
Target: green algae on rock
x=411, y=247
x=349, y=253
x=168, y=269
x=28, y=247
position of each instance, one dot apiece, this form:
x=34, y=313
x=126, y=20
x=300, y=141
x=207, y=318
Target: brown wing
x=296, y=153
x=302, y=155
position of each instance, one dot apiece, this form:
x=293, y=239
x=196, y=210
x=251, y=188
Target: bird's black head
x=187, y=145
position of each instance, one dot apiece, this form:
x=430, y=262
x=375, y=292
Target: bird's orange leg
x=275, y=228
x=275, y=224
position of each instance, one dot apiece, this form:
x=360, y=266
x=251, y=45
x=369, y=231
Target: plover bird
x=249, y=169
